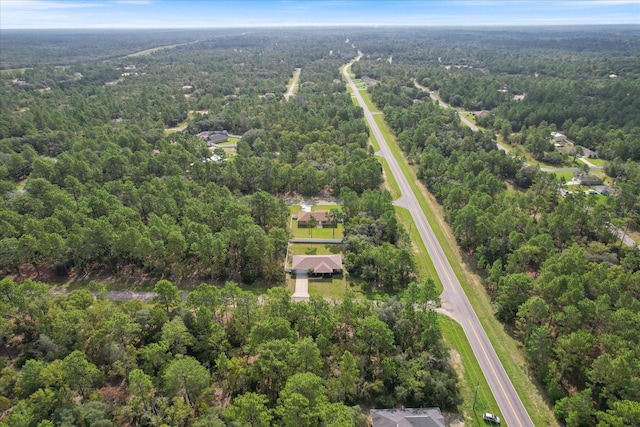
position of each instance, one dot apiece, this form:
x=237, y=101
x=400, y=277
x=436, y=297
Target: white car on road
x=494, y=419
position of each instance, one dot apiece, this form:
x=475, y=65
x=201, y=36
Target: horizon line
x=250, y=26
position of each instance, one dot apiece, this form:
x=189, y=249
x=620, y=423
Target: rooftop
x=408, y=417
x=319, y=264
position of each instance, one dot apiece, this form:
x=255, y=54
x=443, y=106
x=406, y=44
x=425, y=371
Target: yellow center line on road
x=493, y=371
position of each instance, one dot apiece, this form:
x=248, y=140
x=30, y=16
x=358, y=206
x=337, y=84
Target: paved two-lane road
x=454, y=300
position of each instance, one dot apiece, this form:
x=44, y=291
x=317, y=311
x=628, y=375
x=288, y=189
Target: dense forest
x=105, y=172
x=218, y=359
x=559, y=279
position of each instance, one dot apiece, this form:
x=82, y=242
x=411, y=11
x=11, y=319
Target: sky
x=47, y=14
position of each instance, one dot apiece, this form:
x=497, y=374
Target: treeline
x=217, y=359
x=561, y=282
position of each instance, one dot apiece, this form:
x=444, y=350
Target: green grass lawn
x=334, y=287
x=294, y=209
x=567, y=175
x=600, y=199
x=325, y=207
x=468, y=116
x=598, y=162
x=231, y=141
x=367, y=100
x=316, y=233
x=313, y=249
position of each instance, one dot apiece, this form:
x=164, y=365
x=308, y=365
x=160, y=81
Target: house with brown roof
x=317, y=265
x=321, y=217
x=408, y=417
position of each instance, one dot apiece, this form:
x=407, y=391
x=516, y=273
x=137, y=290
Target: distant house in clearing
x=559, y=138
x=214, y=137
x=587, y=178
x=317, y=265
x=481, y=113
x=408, y=417
x=217, y=138
x=368, y=81
x=587, y=152
x=321, y=217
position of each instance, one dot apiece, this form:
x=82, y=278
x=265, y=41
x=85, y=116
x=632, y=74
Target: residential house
x=217, y=138
x=321, y=217
x=368, y=81
x=587, y=152
x=317, y=265
x=587, y=179
x=408, y=417
x=558, y=138
x=214, y=137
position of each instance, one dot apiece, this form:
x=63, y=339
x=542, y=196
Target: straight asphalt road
x=454, y=300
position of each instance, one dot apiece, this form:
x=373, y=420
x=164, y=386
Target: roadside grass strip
x=471, y=377
x=424, y=265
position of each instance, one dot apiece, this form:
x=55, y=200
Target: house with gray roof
x=408, y=417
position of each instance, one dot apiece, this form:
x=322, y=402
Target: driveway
x=302, y=288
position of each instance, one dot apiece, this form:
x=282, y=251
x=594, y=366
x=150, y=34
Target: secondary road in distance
x=454, y=300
